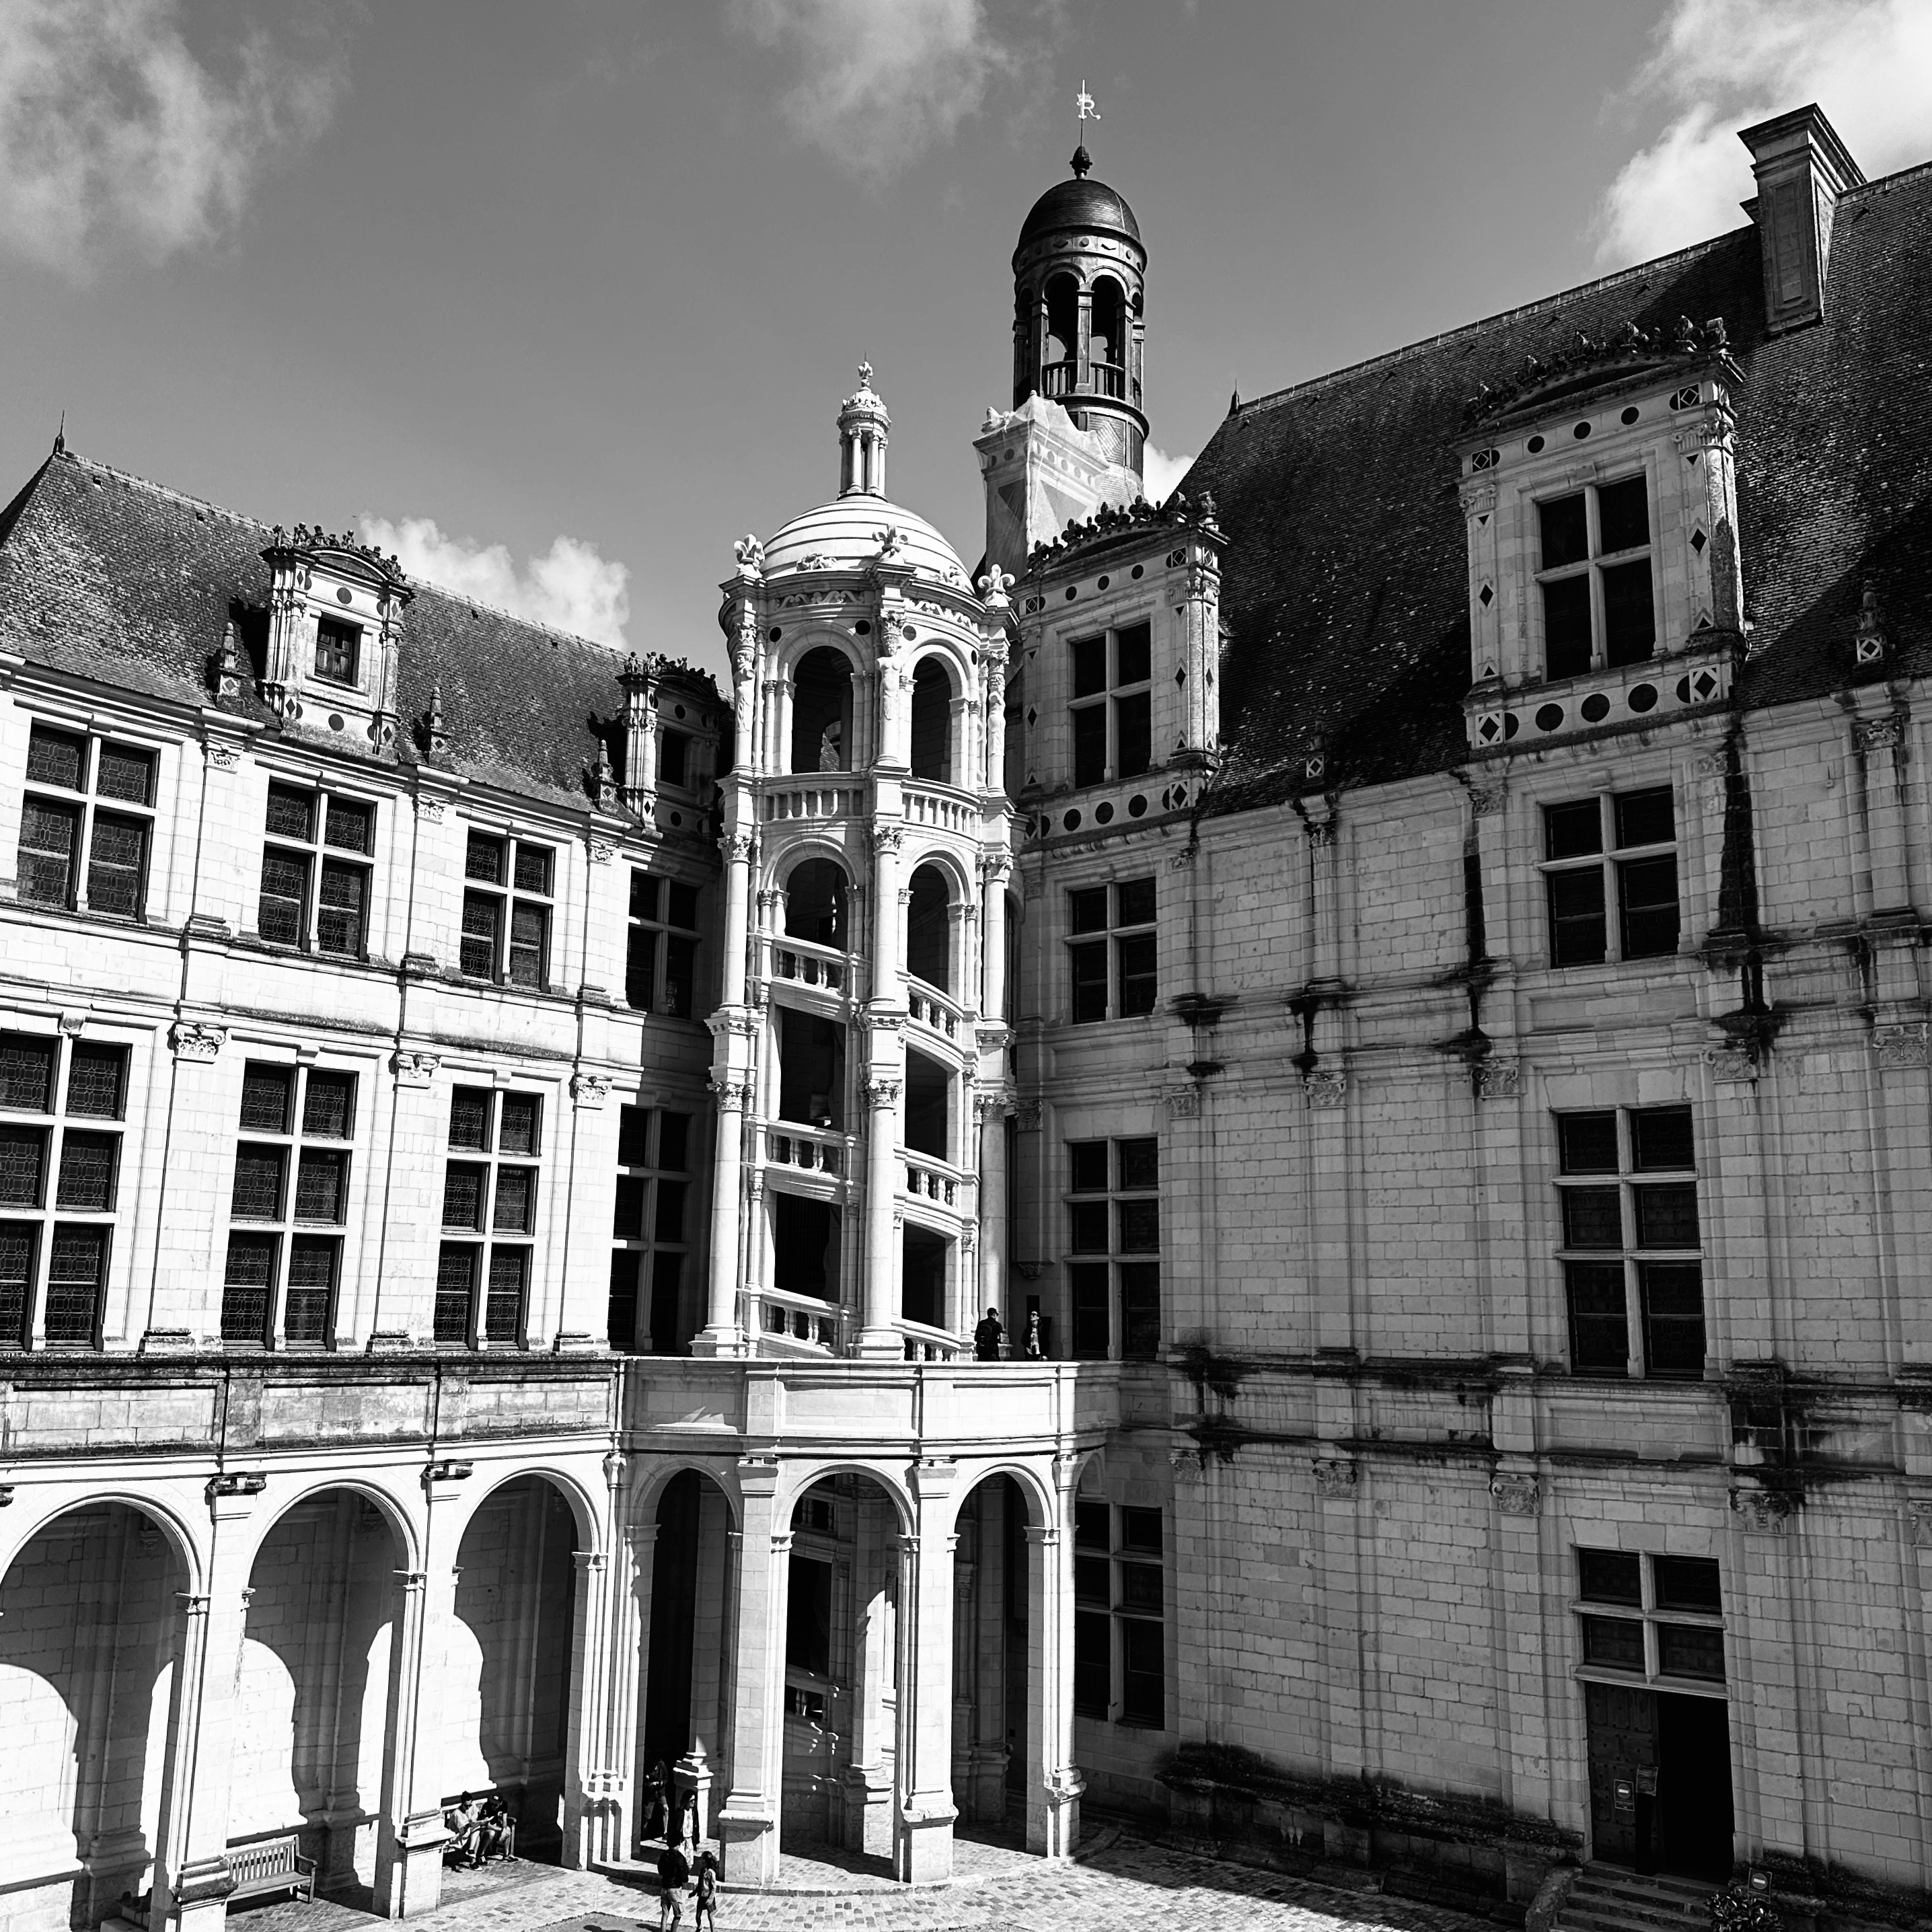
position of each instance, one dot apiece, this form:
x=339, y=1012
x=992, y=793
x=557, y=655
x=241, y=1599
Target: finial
x=60, y=435
x=865, y=375
x=1083, y=161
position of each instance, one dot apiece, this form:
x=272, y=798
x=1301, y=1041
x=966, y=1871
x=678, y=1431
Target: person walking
x=657, y=1820
x=988, y=1336
x=674, y=1875
x=704, y=1892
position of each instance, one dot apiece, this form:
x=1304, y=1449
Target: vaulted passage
x=821, y=713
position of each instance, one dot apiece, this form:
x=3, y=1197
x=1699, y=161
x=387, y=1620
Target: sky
x=557, y=298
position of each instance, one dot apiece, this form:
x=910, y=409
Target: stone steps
x=1607, y=1898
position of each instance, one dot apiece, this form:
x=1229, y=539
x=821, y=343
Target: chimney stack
x=1802, y=169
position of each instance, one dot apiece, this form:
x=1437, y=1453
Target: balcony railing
x=932, y=1180
x=1056, y=379
x=809, y=965
x=925, y=1344
x=935, y=1010
x=937, y=811
x=826, y=798
x=793, y=1322
x=811, y=1149
x=1107, y=379
x=1103, y=379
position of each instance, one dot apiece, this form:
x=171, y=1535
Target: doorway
x=1660, y=1780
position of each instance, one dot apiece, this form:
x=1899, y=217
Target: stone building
x=1402, y=966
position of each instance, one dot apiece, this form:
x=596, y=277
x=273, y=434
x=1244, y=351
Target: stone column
x=709, y=1626
x=869, y=1783
x=748, y=1825
x=722, y=1335
x=604, y=1830
x=1053, y=1784
x=584, y=1750
x=923, y=1850
x=989, y=1114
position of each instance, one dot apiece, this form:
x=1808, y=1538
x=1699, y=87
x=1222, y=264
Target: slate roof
x=112, y=578
x=1080, y=206
x=1344, y=581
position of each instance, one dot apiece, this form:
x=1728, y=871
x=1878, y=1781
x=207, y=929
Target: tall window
x=1653, y=1617
x=1112, y=705
x=315, y=871
x=652, y=1232
x=1119, y=1663
x=1626, y=1190
x=86, y=823
x=338, y=650
x=1597, y=607
x=60, y=1164
x=661, y=961
x=1110, y=950
x=290, y=1201
x=674, y=759
x=506, y=911
x=489, y=1217
x=1113, y=1240
x=1615, y=852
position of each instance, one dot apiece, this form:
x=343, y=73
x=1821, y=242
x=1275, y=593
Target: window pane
x=1090, y=744
x=1623, y=516
x=1661, y=1140
x=674, y=752
x=1143, y=1686
x=1093, y=1664
x=1690, y=1650
x=1667, y=1217
x=627, y=1223
x=1566, y=626
x=335, y=644
x=482, y=916
x=669, y=1226
x=311, y=1287
x=519, y=1126
x=1089, y=1580
x=56, y=758
x=284, y=896
x=681, y=907
x=1686, y=1583
x=1141, y=1529
x=633, y=1129
x=640, y=968
x=1133, y=653
x=1087, y=1227
x=673, y=1137
x=1138, y=978
x=469, y=1117
x=1087, y=1282
x=1647, y=895
x=1140, y=1162
x=248, y=1287
x=483, y=859
x=667, y=1332
x=1608, y=1576
x=1089, y=965
x=117, y=865
x=258, y=1183
x=1630, y=617
x=1133, y=735
x=530, y=927
x=291, y=813
x=17, y=1242
x=77, y=1268
x=1673, y=1295
x=322, y=1184
x=1087, y=911
x=87, y=1165
x=1578, y=929
x=339, y=918
x=464, y=1185
x=95, y=1076
x=622, y=1318
x=328, y=1106
x=1093, y=1527
x=125, y=774
x=265, y=1093
x=350, y=828
x=1644, y=817
x=1140, y=1311
x=1090, y=665
x=26, y=1073
x=1140, y=1587
x=1592, y=1218
x=533, y=868
x=1599, y=1329
x=516, y=1201
x=1573, y=831
x=680, y=975
x=23, y=1167
x=1614, y=1643
x=1140, y=1227
x=1134, y=902
x=48, y=836
x=455, y=1283
x=1587, y=1143
x=1566, y=532
x=644, y=895
x=503, y=1315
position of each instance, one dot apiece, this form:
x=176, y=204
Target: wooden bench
x=270, y=1865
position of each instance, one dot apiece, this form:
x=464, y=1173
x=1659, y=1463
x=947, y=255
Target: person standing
x=657, y=1822
x=988, y=1336
x=674, y=1875
x=1036, y=1349
x=704, y=1892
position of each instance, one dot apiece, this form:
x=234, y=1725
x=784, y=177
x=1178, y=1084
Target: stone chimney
x=1802, y=169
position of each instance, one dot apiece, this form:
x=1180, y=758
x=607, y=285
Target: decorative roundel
x=677, y=818
x=1512, y=724
x=1595, y=708
x=1072, y=820
x=1104, y=814
x=1643, y=698
x=1684, y=690
x=1582, y=429
x=1137, y=572
x=863, y=627
x=335, y=721
x=1534, y=446
x=677, y=711
x=1549, y=717
x=775, y=634
x=1009, y=456
x=342, y=594
x=1102, y=584
x=1137, y=805
x=1629, y=415
x=906, y=631
x=1072, y=592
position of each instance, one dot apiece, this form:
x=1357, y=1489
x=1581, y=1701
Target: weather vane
x=1084, y=102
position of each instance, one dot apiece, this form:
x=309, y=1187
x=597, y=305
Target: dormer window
x=337, y=648
x=1598, y=606
x=1112, y=704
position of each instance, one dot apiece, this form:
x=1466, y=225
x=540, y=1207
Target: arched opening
x=1057, y=374
x=90, y=1635
x=815, y=903
x=928, y=1106
x=924, y=1265
x=505, y=1703
x=932, y=722
x=687, y=1706
x=312, y=1699
x=1106, y=340
x=811, y=1068
x=929, y=947
x=805, y=1245
x=841, y=1669
x=997, y=1732
x=821, y=712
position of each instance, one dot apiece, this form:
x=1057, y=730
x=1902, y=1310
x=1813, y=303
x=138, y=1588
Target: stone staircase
x=1608, y=1898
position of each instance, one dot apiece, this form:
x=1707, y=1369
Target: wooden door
x=1622, y=1725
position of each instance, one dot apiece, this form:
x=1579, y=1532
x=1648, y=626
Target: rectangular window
x=1627, y=1201
x=1595, y=574
x=1112, y=704
x=507, y=909
x=60, y=1173
x=316, y=866
x=338, y=650
x=289, y=1204
x=651, y=1233
x=1112, y=952
x=1119, y=1665
x=661, y=963
x=1613, y=853
x=1113, y=1229
x=1651, y=1617
x=490, y=1191
x=76, y=852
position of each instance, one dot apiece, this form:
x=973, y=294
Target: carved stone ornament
x=1918, y=1522
x=1762, y=1512
x=888, y=838
x=1321, y=831
x=734, y=1092
x=1499, y=1079
x=737, y=847
x=195, y=1039
x=1901, y=1045
x=602, y=851
x=1324, y=1087
x=1516, y=1496
x=1183, y=1103
x=750, y=555
x=1732, y=1065
x=882, y=1091
x=221, y=757
x=1179, y=861
x=1877, y=734
x=429, y=810
x=414, y=1069
x=1486, y=796
x=590, y=1090
x=1334, y=1477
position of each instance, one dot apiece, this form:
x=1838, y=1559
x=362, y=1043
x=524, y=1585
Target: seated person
x=492, y=1828
x=466, y=1831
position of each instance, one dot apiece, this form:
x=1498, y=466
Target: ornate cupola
x=863, y=425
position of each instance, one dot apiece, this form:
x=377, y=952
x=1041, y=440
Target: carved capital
x=734, y=1092
x=221, y=757
x=1499, y=1079
x=195, y=1039
x=1486, y=796
x=1762, y=1512
x=602, y=851
x=429, y=810
x=1731, y=1064
x=1027, y=1115
x=883, y=1091
x=888, y=837
x=590, y=1090
x=414, y=1069
x=1878, y=734
x=1183, y=1103
x=1900, y=1046
x=1516, y=1495
x=737, y=847
x=1334, y=1477
x=1325, y=1086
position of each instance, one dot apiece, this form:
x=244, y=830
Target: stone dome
x=844, y=535
x=1082, y=205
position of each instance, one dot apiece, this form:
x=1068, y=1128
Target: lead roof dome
x=844, y=534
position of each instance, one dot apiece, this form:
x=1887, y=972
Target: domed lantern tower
x=861, y=1042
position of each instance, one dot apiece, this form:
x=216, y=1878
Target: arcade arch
x=821, y=711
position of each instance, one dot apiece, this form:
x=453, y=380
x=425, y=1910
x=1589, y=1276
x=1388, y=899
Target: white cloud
x=113, y=135
x=569, y=587
x=1720, y=65
x=881, y=81
x=1161, y=473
